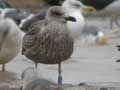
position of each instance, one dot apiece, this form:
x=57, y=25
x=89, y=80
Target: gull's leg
x=117, y=22
x=36, y=64
x=59, y=77
x=3, y=67
x=111, y=22
x=59, y=73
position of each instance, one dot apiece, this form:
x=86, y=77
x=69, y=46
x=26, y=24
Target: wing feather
x=31, y=36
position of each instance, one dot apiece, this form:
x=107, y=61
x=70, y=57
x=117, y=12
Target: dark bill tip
x=70, y=18
x=117, y=61
x=118, y=46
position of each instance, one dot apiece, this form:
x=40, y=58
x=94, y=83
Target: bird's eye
x=77, y=5
x=58, y=13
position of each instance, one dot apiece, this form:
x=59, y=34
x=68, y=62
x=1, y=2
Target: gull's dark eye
x=58, y=13
x=77, y=5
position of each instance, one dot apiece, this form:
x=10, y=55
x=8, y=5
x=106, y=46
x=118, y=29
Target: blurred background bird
x=98, y=4
x=5, y=4
x=108, y=8
x=10, y=35
x=10, y=41
x=92, y=35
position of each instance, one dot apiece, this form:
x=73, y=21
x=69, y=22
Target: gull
x=48, y=41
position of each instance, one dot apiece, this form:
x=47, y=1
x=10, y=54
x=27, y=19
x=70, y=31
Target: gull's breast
x=76, y=27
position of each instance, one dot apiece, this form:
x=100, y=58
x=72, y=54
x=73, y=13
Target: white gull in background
x=75, y=8
x=90, y=35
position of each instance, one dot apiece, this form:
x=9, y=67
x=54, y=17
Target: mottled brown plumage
x=48, y=41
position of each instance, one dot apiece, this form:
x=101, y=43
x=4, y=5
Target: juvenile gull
x=48, y=41
x=75, y=9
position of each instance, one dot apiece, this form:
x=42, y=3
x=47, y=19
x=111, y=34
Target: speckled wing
x=30, y=37
x=39, y=16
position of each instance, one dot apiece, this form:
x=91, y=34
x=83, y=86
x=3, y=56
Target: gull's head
x=72, y=4
x=101, y=38
x=92, y=35
x=77, y=5
x=58, y=13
